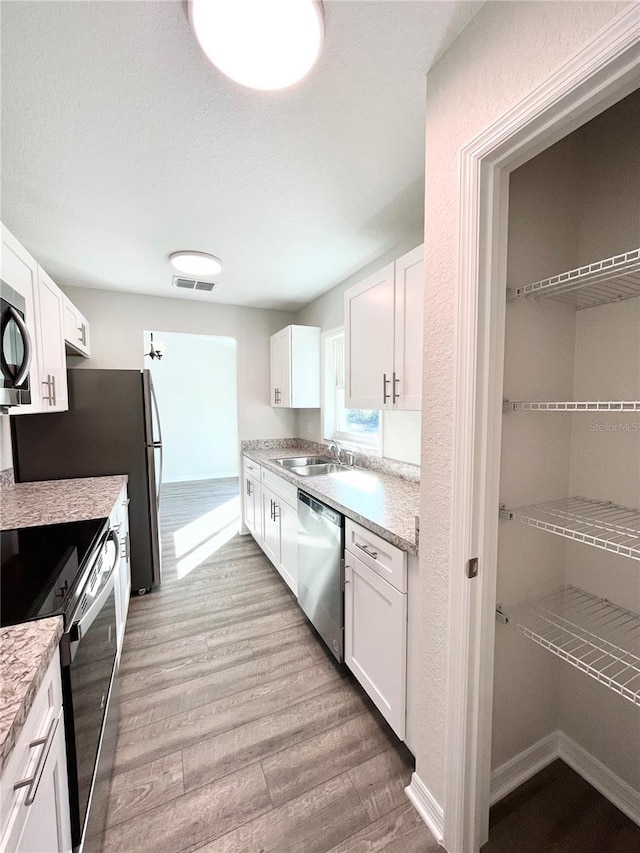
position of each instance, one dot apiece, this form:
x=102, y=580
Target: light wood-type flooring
x=238, y=731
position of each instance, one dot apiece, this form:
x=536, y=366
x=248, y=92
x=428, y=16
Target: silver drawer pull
x=34, y=780
x=372, y=554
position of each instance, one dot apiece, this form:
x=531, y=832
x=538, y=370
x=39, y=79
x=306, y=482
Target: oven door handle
x=79, y=627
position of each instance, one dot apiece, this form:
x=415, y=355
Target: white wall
x=119, y=319
x=400, y=430
x=195, y=385
x=506, y=50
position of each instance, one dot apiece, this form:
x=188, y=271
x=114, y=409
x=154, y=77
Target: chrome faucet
x=335, y=447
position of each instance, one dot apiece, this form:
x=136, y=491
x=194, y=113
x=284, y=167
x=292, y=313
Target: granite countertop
x=383, y=503
x=25, y=654
x=58, y=501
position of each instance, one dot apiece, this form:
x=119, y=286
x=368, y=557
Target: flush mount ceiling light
x=262, y=45
x=196, y=263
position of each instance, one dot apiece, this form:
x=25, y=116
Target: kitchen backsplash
x=361, y=460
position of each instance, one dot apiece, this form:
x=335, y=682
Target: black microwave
x=15, y=349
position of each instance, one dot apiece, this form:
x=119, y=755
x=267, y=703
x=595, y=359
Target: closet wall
x=576, y=203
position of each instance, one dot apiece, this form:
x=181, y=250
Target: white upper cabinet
x=295, y=368
x=48, y=317
x=368, y=333
x=76, y=330
x=20, y=271
x=51, y=355
x=409, y=308
x=383, y=337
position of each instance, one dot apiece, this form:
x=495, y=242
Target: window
x=360, y=427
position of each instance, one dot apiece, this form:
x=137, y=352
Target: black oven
x=15, y=349
x=70, y=570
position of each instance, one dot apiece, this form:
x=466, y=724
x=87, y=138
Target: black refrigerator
x=112, y=427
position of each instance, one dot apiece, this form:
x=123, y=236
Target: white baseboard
x=615, y=789
x=523, y=766
x=427, y=806
x=517, y=770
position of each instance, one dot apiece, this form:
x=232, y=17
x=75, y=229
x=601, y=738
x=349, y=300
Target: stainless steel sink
x=319, y=468
x=302, y=461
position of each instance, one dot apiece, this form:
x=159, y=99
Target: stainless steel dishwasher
x=321, y=570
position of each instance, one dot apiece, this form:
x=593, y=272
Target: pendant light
x=262, y=44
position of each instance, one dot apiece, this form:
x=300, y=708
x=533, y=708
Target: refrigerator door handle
x=157, y=445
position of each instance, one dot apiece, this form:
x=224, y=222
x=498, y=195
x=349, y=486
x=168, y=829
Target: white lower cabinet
x=280, y=536
x=252, y=506
x=271, y=514
x=35, y=797
x=375, y=633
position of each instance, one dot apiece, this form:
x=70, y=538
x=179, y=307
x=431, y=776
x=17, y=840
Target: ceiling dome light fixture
x=196, y=263
x=263, y=45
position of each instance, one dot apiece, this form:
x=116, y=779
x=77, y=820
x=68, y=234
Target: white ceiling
x=121, y=144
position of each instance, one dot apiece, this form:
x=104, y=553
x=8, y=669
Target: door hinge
x=472, y=567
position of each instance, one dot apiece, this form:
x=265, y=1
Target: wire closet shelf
x=572, y=406
x=609, y=280
x=588, y=632
x=598, y=523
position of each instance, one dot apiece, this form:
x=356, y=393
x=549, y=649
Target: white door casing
x=603, y=72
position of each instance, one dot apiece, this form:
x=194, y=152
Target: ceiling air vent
x=193, y=284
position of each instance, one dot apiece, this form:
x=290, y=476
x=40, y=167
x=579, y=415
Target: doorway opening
x=195, y=381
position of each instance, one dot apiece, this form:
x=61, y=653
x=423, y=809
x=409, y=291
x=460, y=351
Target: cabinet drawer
x=385, y=559
x=43, y=718
x=285, y=490
x=250, y=467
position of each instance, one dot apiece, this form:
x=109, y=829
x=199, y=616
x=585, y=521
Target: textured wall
x=118, y=321
x=507, y=49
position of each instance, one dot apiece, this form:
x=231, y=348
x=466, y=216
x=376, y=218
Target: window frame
x=371, y=445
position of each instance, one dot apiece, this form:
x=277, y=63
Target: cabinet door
x=375, y=629
x=281, y=368
x=368, y=329
x=76, y=329
x=270, y=527
x=20, y=271
x=288, y=564
x=53, y=367
x=409, y=309
x=252, y=506
x=47, y=826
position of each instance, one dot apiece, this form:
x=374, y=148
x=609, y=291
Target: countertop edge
x=353, y=514
x=45, y=655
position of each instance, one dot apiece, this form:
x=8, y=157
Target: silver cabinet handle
x=385, y=382
x=248, y=487
x=47, y=382
x=394, y=393
x=34, y=780
x=82, y=337
x=276, y=511
x=53, y=389
x=372, y=554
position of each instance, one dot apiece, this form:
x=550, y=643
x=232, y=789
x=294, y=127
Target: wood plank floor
x=238, y=730
x=239, y=733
